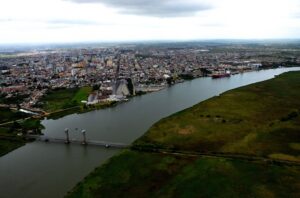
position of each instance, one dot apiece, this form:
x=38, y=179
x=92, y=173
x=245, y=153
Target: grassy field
x=136, y=174
x=261, y=120
x=81, y=109
x=65, y=98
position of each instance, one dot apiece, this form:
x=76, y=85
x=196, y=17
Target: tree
x=96, y=87
x=130, y=86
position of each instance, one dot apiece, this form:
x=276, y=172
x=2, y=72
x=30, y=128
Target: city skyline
x=67, y=21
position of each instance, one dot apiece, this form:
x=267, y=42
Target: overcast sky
x=44, y=21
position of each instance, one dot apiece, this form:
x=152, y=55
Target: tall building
x=121, y=88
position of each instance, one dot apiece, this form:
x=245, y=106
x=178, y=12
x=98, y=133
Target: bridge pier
x=84, y=137
x=67, y=136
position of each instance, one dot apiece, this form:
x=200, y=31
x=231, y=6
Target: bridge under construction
x=83, y=142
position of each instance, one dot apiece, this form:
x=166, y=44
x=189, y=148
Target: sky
x=67, y=21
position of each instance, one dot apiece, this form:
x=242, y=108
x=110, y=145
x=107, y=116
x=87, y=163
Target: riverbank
x=15, y=124
x=63, y=102
x=9, y=141
x=260, y=120
x=13, y=135
x=8, y=136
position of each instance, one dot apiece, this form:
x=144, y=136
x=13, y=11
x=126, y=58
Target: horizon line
x=149, y=41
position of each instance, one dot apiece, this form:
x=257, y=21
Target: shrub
x=290, y=116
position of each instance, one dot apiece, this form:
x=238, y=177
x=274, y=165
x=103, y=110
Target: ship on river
x=221, y=74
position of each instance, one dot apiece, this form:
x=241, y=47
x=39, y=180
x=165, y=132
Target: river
x=50, y=170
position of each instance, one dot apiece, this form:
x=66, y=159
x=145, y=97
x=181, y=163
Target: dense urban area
x=114, y=73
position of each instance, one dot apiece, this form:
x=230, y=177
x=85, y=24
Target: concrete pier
x=67, y=136
x=84, y=137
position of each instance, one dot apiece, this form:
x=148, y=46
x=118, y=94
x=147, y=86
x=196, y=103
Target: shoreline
x=100, y=106
x=147, y=148
x=81, y=110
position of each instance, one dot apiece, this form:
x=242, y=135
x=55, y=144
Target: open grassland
x=65, y=98
x=259, y=121
x=136, y=174
x=262, y=119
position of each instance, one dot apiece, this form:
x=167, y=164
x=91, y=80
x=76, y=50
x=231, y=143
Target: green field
x=65, y=98
x=260, y=121
x=136, y=174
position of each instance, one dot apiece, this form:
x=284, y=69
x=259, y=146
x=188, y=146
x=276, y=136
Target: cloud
x=6, y=20
x=155, y=8
x=296, y=15
x=65, y=23
x=71, y=22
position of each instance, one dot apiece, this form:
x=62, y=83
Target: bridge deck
x=75, y=141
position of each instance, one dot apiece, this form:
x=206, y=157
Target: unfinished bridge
x=84, y=141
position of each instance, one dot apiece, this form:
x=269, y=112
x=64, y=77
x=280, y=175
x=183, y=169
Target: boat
x=221, y=74
x=234, y=73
